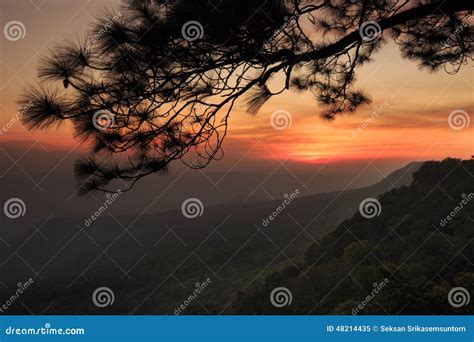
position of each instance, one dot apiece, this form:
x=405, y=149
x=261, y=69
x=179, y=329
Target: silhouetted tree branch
x=158, y=81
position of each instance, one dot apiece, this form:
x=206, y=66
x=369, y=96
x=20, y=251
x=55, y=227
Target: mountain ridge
x=405, y=246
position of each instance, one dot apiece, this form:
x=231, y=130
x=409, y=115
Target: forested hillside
x=419, y=248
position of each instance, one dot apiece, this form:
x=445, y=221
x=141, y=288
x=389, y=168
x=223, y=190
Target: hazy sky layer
x=408, y=119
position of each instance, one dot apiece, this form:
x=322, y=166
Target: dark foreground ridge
x=228, y=262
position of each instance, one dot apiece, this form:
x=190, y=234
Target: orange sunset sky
x=413, y=105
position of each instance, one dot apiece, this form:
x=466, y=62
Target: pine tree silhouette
x=158, y=81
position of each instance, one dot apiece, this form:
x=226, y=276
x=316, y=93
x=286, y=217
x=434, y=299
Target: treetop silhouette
x=158, y=81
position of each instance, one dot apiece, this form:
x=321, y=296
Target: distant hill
x=404, y=261
x=154, y=265
x=46, y=183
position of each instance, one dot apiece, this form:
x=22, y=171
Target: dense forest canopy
x=411, y=253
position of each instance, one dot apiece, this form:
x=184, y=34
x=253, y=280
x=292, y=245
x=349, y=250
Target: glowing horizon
x=408, y=115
